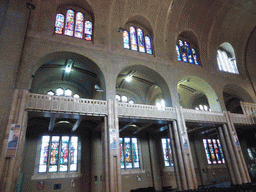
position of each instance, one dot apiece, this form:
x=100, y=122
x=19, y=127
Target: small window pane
x=131, y=102
x=135, y=153
x=73, y=153
x=133, y=38
x=118, y=98
x=64, y=153
x=79, y=25
x=76, y=96
x=148, y=45
x=59, y=23
x=178, y=52
x=195, y=56
x=183, y=51
x=68, y=92
x=54, y=153
x=69, y=28
x=141, y=43
x=121, y=152
x=50, y=93
x=44, y=154
x=127, y=148
x=189, y=52
x=59, y=92
x=124, y=99
x=88, y=30
x=126, y=39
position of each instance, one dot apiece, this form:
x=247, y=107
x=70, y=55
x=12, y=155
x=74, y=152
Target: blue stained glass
x=195, y=56
x=73, y=153
x=183, y=51
x=135, y=153
x=69, y=28
x=178, y=52
x=133, y=38
x=121, y=152
x=189, y=53
x=148, y=45
x=127, y=150
x=54, y=154
x=44, y=154
x=141, y=43
x=126, y=39
x=221, y=153
x=59, y=24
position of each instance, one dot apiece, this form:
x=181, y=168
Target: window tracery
x=75, y=24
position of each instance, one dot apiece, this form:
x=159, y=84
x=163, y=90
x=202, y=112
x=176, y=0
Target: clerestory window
x=75, y=24
x=135, y=39
x=226, y=62
x=186, y=53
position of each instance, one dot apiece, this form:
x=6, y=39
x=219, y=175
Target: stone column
x=227, y=156
x=175, y=160
x=113, y=147
x=237, y=149
x=10, y=166
x=185, y=148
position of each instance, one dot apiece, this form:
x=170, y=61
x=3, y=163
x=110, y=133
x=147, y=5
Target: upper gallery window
x=62, y=92
x=136, y=40
x=186, y=53
x=75, y=24
x=203, y=107
x=129, y=153
x=213, y=151
x=167, y=152
x=226, y=62
x=58, y=154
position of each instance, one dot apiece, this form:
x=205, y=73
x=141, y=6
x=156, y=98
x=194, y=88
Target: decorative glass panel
x=126, y=39
x=54, y=154
x=127, y=150
x=69, y=28
x=64, y=153
x=59, y=23
x=178, y=52
x=135, y=153
x=148, y=45
x=195, y=56
x=189, y=52
x=133, y=39
x=220, y=149
x=141, y=43
x=43, y=160
x=73, y=153
x=88, y=30
x=213, y=151
x=165, y=152
x=79, y=25
x=208, y=156
x=121, y=152
x=183, y=51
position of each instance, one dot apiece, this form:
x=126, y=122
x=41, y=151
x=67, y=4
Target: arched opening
x=194, y=91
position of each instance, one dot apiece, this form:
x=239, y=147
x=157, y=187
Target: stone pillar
x=227, y=156
x=10, y=166
x=237, y=149
x=114, y=172
x=185, y=149
x=155, y=164
x=175, y=160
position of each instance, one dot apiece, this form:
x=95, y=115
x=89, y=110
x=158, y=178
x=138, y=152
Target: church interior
x=125, y=95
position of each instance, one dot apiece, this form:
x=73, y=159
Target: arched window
x=136, y=40
x=186, y=53
x=50, y=93
x=226, y=61
x=124, y=99
x=75, y=24
x=203, y=108
x=59, y=92
x=118, y=97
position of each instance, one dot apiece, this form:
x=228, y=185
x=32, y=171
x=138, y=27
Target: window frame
x=86, y=16
x=208, y=153
x=59, y=174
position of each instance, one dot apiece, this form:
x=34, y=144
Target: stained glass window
x=74, y=25
x=59, y=23
x=141, y=43
x=88, y=30
x=186, y=53
x=126, y=39
x=133, y=38
x=58, y=154
x=226, y=63
x=148, y=45
x=129, y=153
x=166, y=147
x=69, y=26
x=79, y=25
x=213, y=151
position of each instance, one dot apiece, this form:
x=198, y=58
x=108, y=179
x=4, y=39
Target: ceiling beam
x=125, y=127
x=76, y=124
x=142, y=128
x=52, y=122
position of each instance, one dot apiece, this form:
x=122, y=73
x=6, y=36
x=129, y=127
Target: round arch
x=147, y=85
x=85, y=77
x=190, y=88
